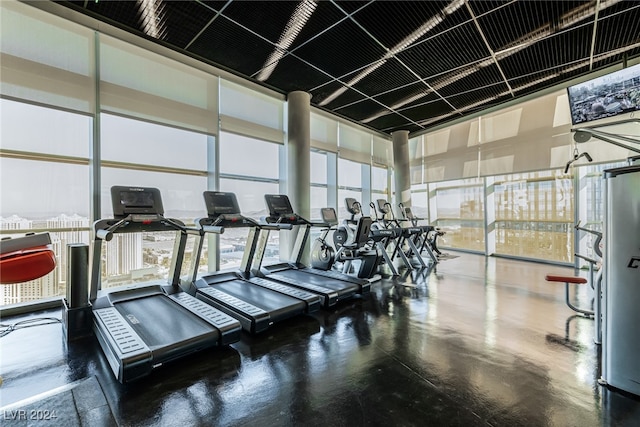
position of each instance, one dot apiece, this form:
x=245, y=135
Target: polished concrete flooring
x=475, y=341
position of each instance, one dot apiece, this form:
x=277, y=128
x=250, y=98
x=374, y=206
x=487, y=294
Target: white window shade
x=250, y=113
x=354, y=145
x=382, y=152
x=45, y=59
x=416, y=154
x=141, y=84
x=324, y=133
x=521, y=138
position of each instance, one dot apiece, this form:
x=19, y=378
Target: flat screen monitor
x=278, y=204
x=135, y=200
x=605, y=96
x=221, y=203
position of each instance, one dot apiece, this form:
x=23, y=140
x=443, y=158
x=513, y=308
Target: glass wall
x=457, y=208
x=44, y=171
x=534, y=215
x=239, y=156
x=349, y=184
x=206, y=134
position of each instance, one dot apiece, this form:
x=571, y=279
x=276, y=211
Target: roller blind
x=141, y=84
x=526, y=137
x=250, y=113
x=354, y=144
x=382, y=152
x=324, y=133
x=45, y=59
x=416, y=155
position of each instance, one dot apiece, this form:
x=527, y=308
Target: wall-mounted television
x=605, y=96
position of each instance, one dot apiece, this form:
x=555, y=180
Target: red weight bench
x=567, y=280
x=26, y=258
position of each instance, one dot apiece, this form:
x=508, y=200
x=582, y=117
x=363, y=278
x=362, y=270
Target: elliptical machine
x=350, y=240
x=322, y=254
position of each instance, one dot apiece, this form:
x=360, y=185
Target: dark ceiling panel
x=393, y=122
x=390, y=22
x=125, y=14
x=228, y=45
x=485, y=76
x=504, y=24
x=617, y=29
x=433, y=109
x=323, y=18
x=389, y=76
x=267, y=18
x=349, y=7
x=446, y=51
x=360, y=110
x=404, y=95
x=343, y=49
x=562, y=48
x=292, y=74
x=184, y=20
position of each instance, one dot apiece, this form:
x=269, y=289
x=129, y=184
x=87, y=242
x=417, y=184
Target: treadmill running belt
x=161, y=322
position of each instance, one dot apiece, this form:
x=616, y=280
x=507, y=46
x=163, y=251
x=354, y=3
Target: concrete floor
x=476, y=341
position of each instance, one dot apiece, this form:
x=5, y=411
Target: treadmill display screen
x=278, y=204
x=136, y=200
x=220, y=203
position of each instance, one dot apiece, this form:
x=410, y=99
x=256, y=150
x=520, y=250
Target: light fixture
x=296, y=23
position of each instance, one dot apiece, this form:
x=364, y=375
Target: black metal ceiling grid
x=432, y=109
x=389, y=76
x=389, y=22
x=348, y=97
x=392, y=122
x=504, y=25
x=125, y=14
x=349, y=7
x=325, y=16
x=227, y=44
x=568, y=47
x=446, y=51
x=359, y=110
x=184, y=20
x=452, y=57
x=489, y=75
x=463, y=100
x=341, y=50
x=267, y=18
x=618, y=29
x=293, y=74
x=405, y=93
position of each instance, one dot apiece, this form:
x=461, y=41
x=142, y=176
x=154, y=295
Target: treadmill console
x=280, y=208
x=142, y=203
x=221, y=203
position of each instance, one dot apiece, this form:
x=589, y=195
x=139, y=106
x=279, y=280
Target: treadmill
x=256, y=302
x=332, y=286
x=141, y=326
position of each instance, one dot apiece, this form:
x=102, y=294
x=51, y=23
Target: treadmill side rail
x=127, y=354
x=230, y=329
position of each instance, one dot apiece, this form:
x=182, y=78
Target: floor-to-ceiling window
x=44, y=170
x=46, y=121
x=534, y=215
x=136, y=153
x=458, y=210
x=239, y=173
